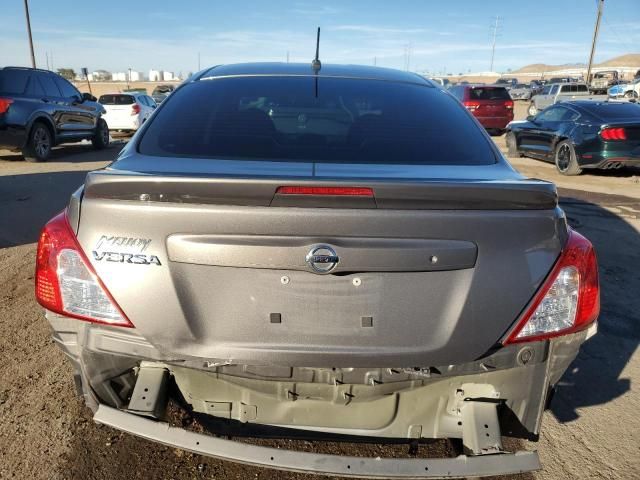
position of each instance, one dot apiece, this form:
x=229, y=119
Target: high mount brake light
x=615, y=133
x=66, y=283
x=335, y=191
x=569, y=299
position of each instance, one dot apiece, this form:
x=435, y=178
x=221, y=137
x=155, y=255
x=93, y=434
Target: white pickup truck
x=557, y=92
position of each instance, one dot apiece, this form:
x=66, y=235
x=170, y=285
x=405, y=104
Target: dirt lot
x=591, y=431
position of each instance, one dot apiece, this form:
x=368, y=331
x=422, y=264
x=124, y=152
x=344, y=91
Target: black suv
x=39, y=109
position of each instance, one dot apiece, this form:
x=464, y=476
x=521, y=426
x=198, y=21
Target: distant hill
x=628, y=60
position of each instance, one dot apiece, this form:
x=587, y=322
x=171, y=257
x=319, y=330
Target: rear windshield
x=116, y=100
x=14, y=81
x=489, y=93
x=324, y=119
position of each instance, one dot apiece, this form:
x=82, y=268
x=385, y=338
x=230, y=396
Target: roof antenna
x=315, y=63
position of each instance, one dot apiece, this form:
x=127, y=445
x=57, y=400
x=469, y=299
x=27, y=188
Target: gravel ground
x=591, y=431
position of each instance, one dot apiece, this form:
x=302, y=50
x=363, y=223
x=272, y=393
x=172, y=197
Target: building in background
x=100, y=76
x=135, y=76
x=119, y=76
x=156, y=75
x=168, y=76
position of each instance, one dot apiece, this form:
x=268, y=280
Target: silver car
x=520, y=91
x=286, y=249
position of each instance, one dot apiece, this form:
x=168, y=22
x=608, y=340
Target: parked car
x=161, y=92
x=442, y=82
x=335, y=252
x=578, y=135
x=508, y=83
x=520, y=91
x=627, y=90
x=127, y=111
x=560, y=80
x=602, y=81
x=490, y=104
x=40, y=109
x=536, y=87
x=557, y=92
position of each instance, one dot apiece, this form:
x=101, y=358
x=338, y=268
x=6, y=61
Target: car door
x=534, y=139
x=550, y=99
x=80, y=117
x=547, y=124
x=53, y=101
x=543, y=99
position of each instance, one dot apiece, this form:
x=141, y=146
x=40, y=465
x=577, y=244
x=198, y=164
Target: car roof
x=304, y=69
x=592, y=107
x=28, y=68
x=124, y=93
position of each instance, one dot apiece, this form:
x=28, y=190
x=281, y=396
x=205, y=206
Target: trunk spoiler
x=436, y=194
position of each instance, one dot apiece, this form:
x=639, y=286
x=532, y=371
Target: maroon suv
x=490, y=104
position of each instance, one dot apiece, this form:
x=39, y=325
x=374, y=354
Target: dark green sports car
x=577, y=135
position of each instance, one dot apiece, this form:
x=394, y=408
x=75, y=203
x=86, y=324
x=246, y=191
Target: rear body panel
x=429, y=273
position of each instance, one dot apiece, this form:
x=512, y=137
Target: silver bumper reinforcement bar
x=461, y=466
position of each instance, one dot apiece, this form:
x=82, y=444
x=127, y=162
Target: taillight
x=135, y=109
x=613, y=134
x=336, y=191
x=508, y=104
x=471, y=105
x=4, y=104
x=568, y=301
x=66, y=283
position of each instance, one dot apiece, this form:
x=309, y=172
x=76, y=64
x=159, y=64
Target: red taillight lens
x=66, y=283
x=615, y=133
x=336, y=191
x=508, y=104
x=4, y=104
x=135, y=109
x=471, y=105
x=568, y=301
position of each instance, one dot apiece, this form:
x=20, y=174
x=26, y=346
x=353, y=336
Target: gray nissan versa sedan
x=330, y=252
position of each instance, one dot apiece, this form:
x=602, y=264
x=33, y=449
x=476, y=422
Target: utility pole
x=287, y=56
x=595, y=39
x=51, y=56
x=46, y=56
x=198, y=61
x=375, y=61
x=26, y=12
x=493, y=43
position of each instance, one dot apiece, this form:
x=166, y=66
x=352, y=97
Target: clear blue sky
x=454, y=34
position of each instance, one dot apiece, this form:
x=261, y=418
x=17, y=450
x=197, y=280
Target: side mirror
x=531, y=119
x=87, y=97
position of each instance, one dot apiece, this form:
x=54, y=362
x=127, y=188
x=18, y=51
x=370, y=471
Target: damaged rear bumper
x=125, y=381
x=461, y=466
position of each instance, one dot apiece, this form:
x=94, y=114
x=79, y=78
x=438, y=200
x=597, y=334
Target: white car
x=626, y=90
x=126, y=111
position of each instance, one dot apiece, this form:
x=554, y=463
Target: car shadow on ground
x=28, y=201
x=75, y=153
x=597, y=374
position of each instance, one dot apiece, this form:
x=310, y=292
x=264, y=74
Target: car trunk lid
x=430, y=271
